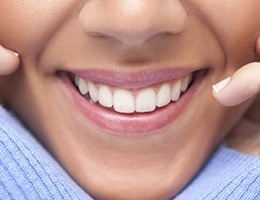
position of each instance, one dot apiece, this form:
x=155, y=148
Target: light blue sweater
x=28, y=171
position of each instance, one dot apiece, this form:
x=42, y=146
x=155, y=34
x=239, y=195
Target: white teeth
x=146, y=101
x=76, y=80
x=105, y=97
x=176, y=91
x=124, y=101
x=164, y=96
x=185, y=84
x=93, y=91
x=83, y=86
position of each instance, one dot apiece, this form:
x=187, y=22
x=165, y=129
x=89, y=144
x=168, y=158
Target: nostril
x=99, y=35
x=132, y=27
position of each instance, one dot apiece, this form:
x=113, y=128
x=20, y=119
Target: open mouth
x=141, y=100
x=132, y=105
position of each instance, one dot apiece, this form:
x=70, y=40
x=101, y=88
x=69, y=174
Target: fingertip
x=243, y=85
x=9, y=61
x=219, y=92
x=223, y=99
x=221, y=85
x=5, y=51
x=15, y=53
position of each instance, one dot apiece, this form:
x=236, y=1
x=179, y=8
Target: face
x=130, y=114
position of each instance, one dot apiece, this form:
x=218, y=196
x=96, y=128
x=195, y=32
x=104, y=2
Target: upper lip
x=133, y=80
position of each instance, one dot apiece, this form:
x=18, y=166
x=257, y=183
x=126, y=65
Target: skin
x=209, y=33
x=245, y=136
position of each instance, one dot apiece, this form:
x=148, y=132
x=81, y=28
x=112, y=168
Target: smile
x=133, y=105
x=133, y=100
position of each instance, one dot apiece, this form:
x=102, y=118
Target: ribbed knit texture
x=28, y=171
x=228, y=175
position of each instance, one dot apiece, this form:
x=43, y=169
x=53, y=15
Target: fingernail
x=13, y=52
x=221, y=85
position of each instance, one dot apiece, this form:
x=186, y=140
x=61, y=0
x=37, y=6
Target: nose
x=132, y=22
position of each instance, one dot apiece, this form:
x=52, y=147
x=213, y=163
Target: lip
x=134, y=124
x=140, y=79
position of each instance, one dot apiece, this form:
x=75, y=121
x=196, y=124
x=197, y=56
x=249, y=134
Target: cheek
x=26, y=25
x=236, y=25
x=231, y=19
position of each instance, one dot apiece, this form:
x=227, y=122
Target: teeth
x=146, y=101
x=83, y=86
x=176, y=91
x=126, y=101
x=164, y=96
x=93, y=91
x=105, y=97
x=185, y=84
x=76, y=80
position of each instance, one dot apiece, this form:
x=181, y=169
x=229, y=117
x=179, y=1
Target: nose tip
x=132, y=22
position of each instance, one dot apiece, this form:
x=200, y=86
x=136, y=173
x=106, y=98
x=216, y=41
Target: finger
x=244, y=84
x=9, y=61
x=254, y=110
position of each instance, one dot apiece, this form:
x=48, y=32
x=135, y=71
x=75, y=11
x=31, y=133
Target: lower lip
x=112, y=122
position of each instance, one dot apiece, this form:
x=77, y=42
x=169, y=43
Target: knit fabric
x=228, y=175
x=28, y=171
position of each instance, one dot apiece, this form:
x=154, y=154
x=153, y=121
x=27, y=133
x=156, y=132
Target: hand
x=9, y=62
x=244, y=84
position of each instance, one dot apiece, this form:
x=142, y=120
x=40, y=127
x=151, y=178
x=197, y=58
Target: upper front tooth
x=146, y=100
x=164, y=96
x=185, y=84
x=105, y=97
x=176, y=91
x=83, y=86
x=124, y=101
x=93, y=91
